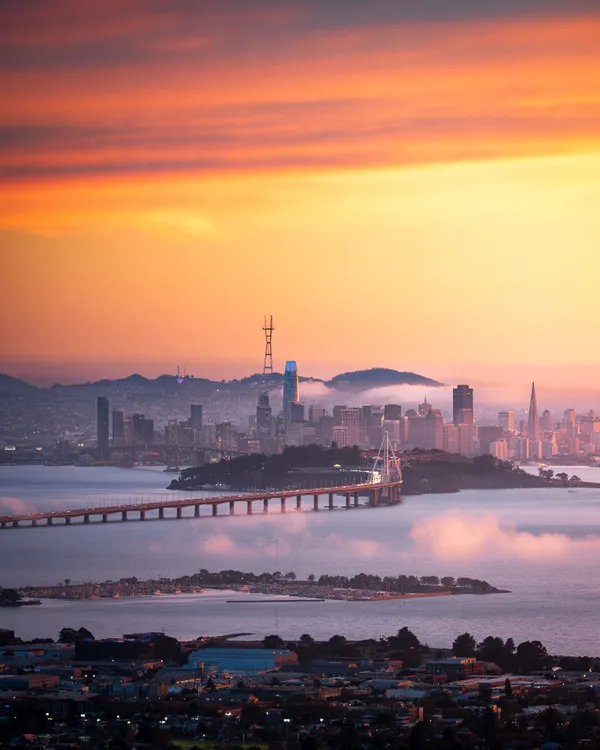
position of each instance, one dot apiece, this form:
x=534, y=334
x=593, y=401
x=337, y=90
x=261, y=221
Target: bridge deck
x=191, y=502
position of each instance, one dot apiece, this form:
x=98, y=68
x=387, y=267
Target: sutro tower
x=268, y=363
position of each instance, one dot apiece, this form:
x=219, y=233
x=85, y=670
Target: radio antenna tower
x=268, y=363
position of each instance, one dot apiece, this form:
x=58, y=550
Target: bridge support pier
x=179, y=512
x=196, y=511
x=34, y=522
x=266, y=505
x=86, y=518
x=347, y=500
x=124, y=515
x=231, y=508
x=283, y=504
x=161, y=513
x=142, y=515
x=249, y=507
x=215, y=509
x=105, y=518
x=356, y=499
x=15, y=524
x=68, y=520
x=3, y=524
x=315, y=502
x=299, y=502
x=49, y=521
x=330, y=505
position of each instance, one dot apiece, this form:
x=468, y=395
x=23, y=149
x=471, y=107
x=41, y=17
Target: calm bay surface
x=542, y=544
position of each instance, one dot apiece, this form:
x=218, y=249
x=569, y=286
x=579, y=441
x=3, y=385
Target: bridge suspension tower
x=387, y=468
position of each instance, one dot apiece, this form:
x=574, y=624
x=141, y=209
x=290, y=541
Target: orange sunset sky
x=404, y=184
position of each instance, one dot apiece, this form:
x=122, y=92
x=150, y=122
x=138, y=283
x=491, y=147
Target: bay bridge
x=384, y=488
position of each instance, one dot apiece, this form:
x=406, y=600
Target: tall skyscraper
x=533, y=422
x=118, y=426
x=291, y=388
x=143, y=430
x=506, y=420
x=102, y=423
x=263, y=417
x=462, y=398
x=434, y=430
x=196, y=416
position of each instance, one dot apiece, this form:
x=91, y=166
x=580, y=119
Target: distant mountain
x=15, y=387
x=379, y=377
x=359, y=380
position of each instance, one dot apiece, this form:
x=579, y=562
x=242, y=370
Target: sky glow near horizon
x=408, y=187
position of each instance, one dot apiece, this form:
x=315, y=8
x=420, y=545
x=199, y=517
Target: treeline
x=397, y=584
x=529, y=656
x=260, y=471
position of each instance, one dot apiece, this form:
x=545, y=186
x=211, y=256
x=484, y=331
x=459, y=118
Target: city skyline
x=455, y=151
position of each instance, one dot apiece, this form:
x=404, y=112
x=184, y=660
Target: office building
x=102, y=428
x=340, y=436
x=393, y=429
x=325, y=431
x=392, y=412
x=291, y=388
x=451, y=438
x=499, y=449
x=424, y=408
x=196, y=416
x=546, y=421
x=118, y=426
x=506, y=420
x=533, y=421
x=296, y=412
x=351, y=420
x=315, y=413
x=488, y=435
x=434, y=430
x=143, y=430
x=337, y=414
x=263, y=417
x=417, y=435
x=462, y=398
x=465, y=438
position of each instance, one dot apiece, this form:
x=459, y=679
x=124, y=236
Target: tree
x=273, y=641
x=337, y=644
x=291, y=576
x=307, y=640
x=464, y=645
x=508, y=692
x=311, y=577
x=532, y=656
x=448, y=582
x=575, y=479
x=563, y=476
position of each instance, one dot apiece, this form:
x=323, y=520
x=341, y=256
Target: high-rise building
x=533, y=422
x=337, y=414
x=506, y=420
x=546, y=421
x=315, y=413
x=393, y=429
x=296, y=409
x=102, y=425
x=263, y=417
x=499, y=449
x=196, y=416
x=488, y=434
x=434, y=430
x=291, y=388
x=340, y=436
x=417, y=433
x=451, y=438
x=118, y=426
x=462, y=398
x=143, y=430
x=465, y=438
x=424, y=408
x=392, y=412
x=351, y=420
x=325, y=431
